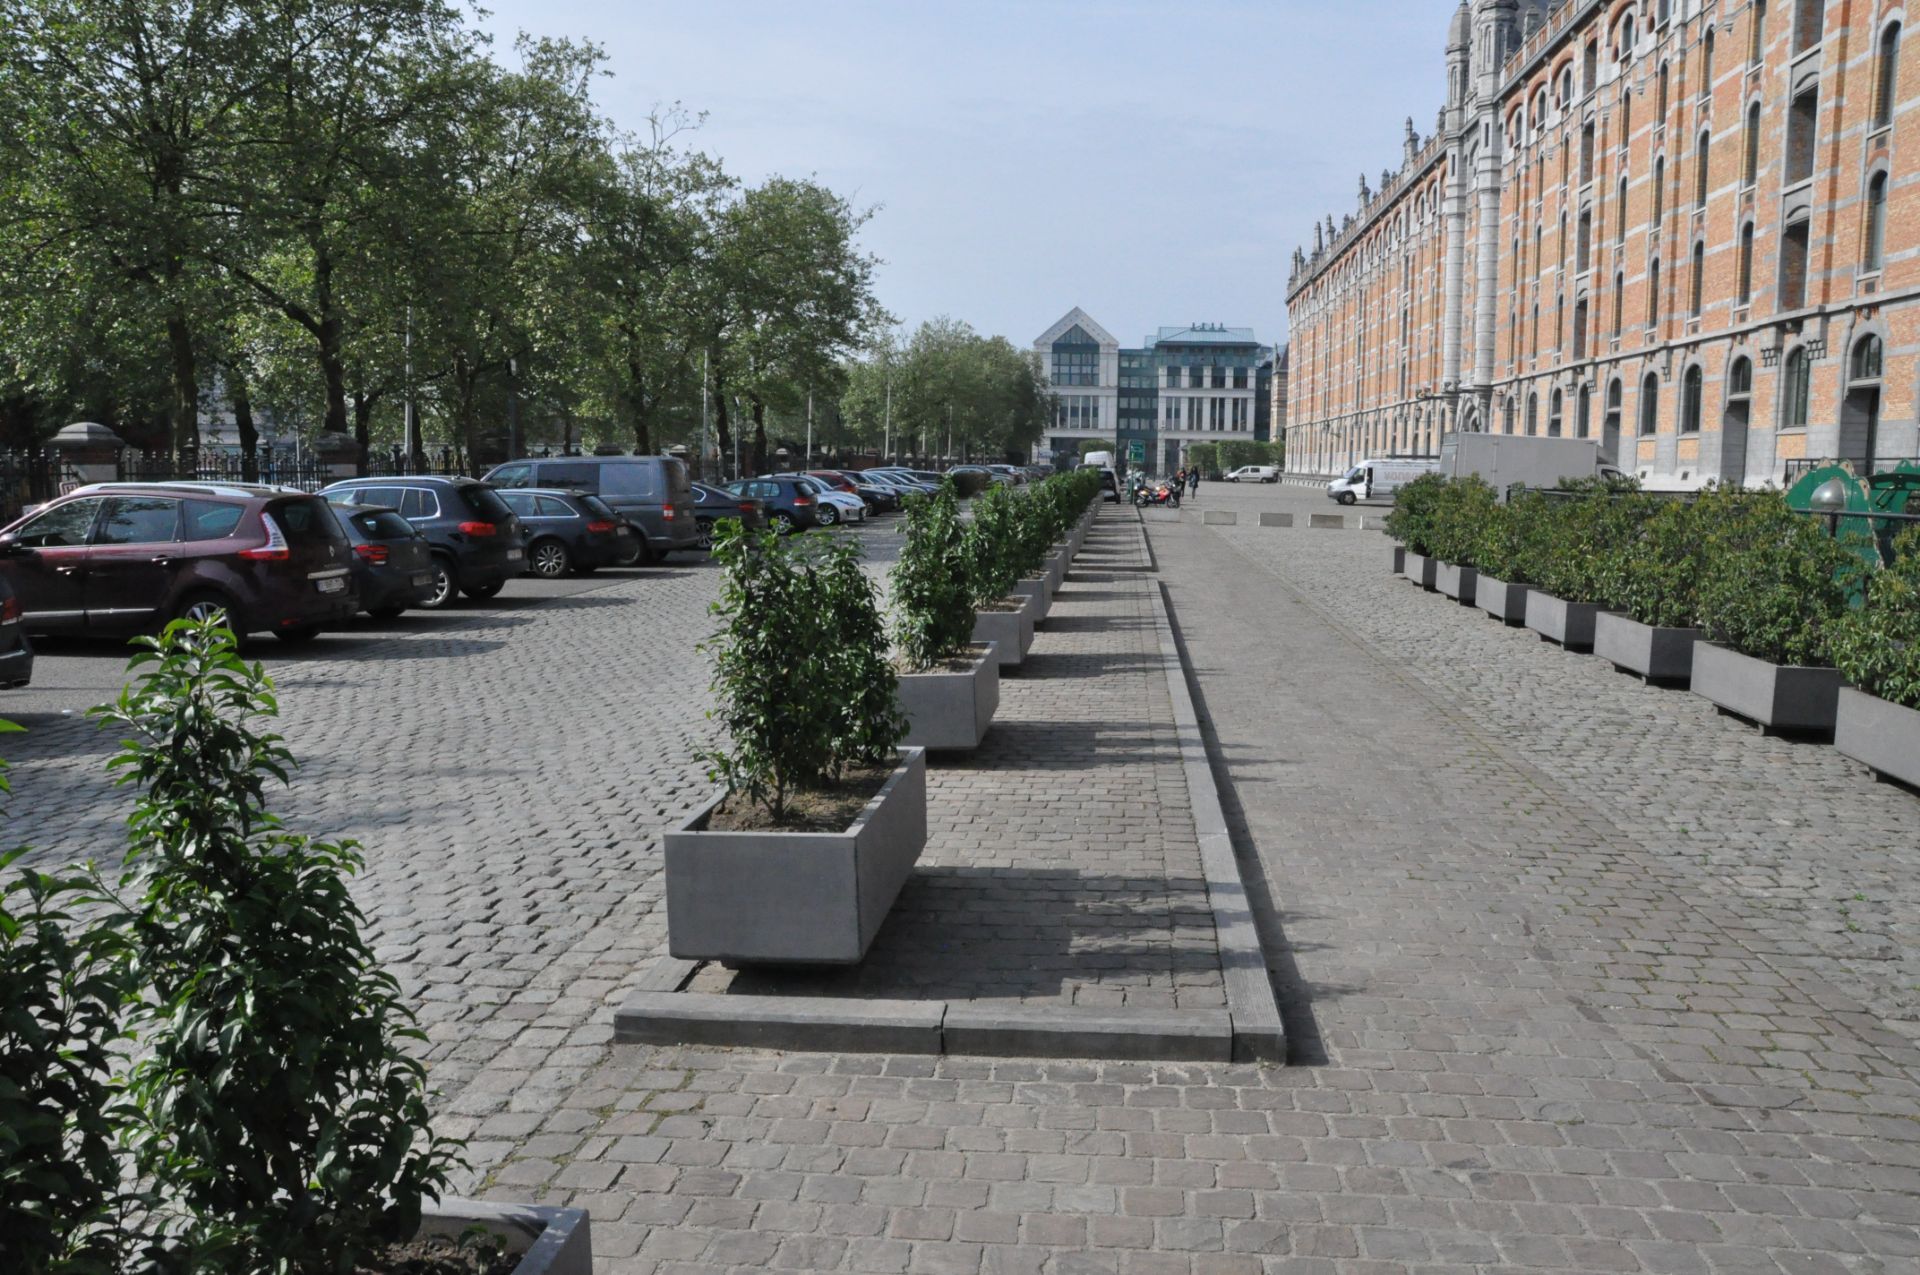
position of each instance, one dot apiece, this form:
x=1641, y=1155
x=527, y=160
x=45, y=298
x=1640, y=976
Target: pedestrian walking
x=1193, y=482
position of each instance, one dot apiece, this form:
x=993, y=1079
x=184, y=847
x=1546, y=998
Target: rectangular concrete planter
x=795, y=898
x=1057, y=568
x=1038, y=594
x=1422, y=570
x=1505, y=602
x=1658, y=654
x=951, y=710
x=1011, y=632
x=1796, y=699
x=1457, y=583
x=1399, y=553
x=1879, y=734
x=548, y=1241
x=1568, y=623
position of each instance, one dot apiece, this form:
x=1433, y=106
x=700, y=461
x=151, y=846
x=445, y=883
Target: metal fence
x=1883, y=464
x=275, y=468
x=28, y=478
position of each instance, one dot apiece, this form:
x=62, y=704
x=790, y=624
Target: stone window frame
x=1753, y=120
x=1647, y=416
x=1795, y=357
x=1873, y=229
x=1697, y=278
x=1886, y=71
x=1693, y=398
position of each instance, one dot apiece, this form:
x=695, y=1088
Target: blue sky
x=1153, y=162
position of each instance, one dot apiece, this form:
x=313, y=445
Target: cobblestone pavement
x=1061, y=861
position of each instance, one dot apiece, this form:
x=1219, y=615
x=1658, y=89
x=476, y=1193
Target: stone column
x=91, y=451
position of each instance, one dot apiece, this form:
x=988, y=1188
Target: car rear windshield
x=307, y=520
x=487, y=503
x=597, y=506
x=383, y=524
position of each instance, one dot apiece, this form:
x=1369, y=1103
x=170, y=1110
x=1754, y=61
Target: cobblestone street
x=1567, y=980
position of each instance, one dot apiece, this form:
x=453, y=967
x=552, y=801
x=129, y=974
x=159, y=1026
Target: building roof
x=1203, y=334
x=1075, y=318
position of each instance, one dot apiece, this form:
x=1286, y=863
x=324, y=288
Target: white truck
x=1373, y=479
x=1097, y=460
x=1502, y=460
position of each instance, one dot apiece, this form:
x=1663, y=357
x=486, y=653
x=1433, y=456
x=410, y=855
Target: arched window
x=1867, y=359
x=1703, y=172
x=1794, y=241
x=1649, y=405
x=1619, y=302
x=1756, y=30
x=1590, y=70
x=1533, y=414
x=1620, y=214
x=1697, y=285
x=1740, y=378
x=1653, y=292
x=1659, y=193
x=1623, y=48
x=1886, y=80
x=1692, y=390
x=1796, y=388
x=1875, y=237
x=1803, y=122
x=1612, y=423
x=1661, y=98
x=1506, y=416
x=1750, y=163
x=1553, y=415
x=1746, y=263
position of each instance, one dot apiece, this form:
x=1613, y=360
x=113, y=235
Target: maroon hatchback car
x=123, y=557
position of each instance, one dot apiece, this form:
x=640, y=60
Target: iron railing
x=274, y=468
x=31, y=477
x=1883, y=464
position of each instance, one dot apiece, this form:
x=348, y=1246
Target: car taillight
x=746, y=509
x=480, y=528
x=9, y=610
x=801, y=502
x=666, y=512
x=371, y=553
x=602, y=527
x=275, y=549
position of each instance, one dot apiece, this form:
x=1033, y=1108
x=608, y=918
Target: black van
x=652, y=494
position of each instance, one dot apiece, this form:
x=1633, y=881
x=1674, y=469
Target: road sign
x=1137, y=453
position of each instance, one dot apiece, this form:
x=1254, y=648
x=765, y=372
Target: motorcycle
x=1157, y=494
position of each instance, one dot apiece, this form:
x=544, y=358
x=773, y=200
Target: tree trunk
x=759, y=436
x=333, y=370
x=363, y=424
x=243, y=424
x=637, y=408
x=722, y=421
x=186, y=384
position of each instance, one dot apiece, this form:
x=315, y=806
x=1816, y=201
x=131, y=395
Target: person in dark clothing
x=1193, y=481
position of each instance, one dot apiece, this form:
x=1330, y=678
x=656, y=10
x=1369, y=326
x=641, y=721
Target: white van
x=1372, y=479
x=1255, y=474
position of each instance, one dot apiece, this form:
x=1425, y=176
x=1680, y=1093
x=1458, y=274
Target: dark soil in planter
x=1003, y=604
x=962, y=663
x=808, y=810
x=439, y=1255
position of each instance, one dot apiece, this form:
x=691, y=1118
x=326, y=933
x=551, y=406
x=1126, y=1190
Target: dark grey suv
x=473, y=536
x=652, y=494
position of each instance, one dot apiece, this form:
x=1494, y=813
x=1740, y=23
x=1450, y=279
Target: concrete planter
x=795, y=898
x=1879, y=734
x=1038, y=594
x=1422, y=570
x=1568, y=623
x=548, y=1241
x=1056, y=568
x=1399, y=560
x=951, y=710
x=1011, y=632
x=1795, y=699
x=1457, y=583
x=1660, y=655
x=1505, y=602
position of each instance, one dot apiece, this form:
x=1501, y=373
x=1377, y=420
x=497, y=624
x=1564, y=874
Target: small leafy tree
x=1877, y=645
x=1204, y=457
x=1653, y=574
x=802, y=682
x=933, y=607
x=274, y=1102
x=62, y=989
x=1411, y=521
x=1775, y=584
x=993, y=558
x=1459, y=515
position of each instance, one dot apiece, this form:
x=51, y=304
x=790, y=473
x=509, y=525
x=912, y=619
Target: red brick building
x=1683, y=228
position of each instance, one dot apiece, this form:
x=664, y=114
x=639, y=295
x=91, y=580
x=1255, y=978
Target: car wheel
x=203, y=606
x=783, y=522
x=387, y=613
x=298, y=637
x=444, y=585
x=706, y=534
x=828, y=515
x=548, y=559
x=481, y=592
x=1346, y=498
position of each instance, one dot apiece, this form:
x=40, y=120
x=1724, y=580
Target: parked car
x=877, y=499
x=899, y=480
x=1109, y=485
x=711, y=504
x=121, y=557
x=568, y=531
x=790, y=505
x=835, y=507
x=392, y=566
x=472, y=535
x=928, y=476
x=1255, y=474
x=1013, y=473
x=651, y=494
x=16, y=648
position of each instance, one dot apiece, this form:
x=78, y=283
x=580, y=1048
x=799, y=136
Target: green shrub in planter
x=1774, y=584
x=969, y=482
x=274, y=1103
x=1876, y=646
x=803, y=683
x=993, y=555
x=1498, y=549
x=1411, y=522
x=1589, y=534
x=62, y=991
x=933, y=607
x=1460, y=518
x=1653, y=573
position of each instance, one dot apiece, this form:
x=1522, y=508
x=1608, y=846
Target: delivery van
x=1375, y=479
x=1255, y=474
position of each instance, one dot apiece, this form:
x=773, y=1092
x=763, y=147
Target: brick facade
x=1678, y=227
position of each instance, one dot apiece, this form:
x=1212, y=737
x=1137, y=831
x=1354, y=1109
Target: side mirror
x=10, y=547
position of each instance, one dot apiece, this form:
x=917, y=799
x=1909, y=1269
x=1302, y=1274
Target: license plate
x=333, y=585
x=514, y=555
